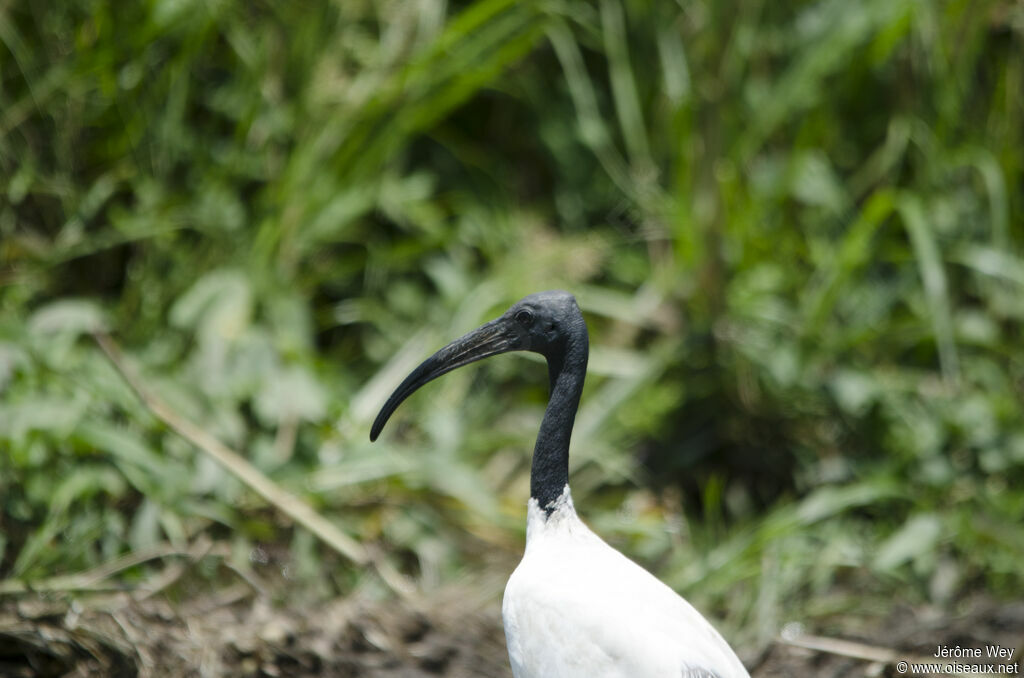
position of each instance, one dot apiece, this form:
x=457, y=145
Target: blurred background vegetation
x=794, y=229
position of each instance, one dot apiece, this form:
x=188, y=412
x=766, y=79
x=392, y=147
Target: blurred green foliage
x=794, y=227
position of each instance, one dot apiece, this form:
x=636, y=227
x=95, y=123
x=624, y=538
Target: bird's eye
x=524, y=317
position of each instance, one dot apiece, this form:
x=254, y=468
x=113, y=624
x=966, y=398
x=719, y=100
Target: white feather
x=577, y=608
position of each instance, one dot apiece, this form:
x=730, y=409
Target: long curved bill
x=497, y=336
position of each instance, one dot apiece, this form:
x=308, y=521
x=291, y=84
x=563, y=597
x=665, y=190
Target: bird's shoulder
x=572, y=588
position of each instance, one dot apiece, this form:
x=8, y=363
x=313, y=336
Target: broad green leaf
x=292, y=393
x=918, y=536
x=74, y=316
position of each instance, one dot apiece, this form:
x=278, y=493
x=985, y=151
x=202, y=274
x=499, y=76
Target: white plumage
x=577, y=608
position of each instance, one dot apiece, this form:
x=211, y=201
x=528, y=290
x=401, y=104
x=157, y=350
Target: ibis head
x=548, y=323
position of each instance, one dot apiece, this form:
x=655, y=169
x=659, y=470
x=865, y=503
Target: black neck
x=550, y=471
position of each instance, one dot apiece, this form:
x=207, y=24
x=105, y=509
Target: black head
x=548, y=323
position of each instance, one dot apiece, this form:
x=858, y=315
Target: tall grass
x=794, y=229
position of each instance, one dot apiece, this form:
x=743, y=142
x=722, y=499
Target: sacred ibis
x=575, y=607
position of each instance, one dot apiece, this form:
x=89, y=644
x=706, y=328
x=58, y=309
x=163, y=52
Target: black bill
x=498, y=336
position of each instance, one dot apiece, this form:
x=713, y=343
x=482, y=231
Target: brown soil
x=911, y=634
x=236, y=635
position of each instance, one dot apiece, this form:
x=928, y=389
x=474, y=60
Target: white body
x=577, y=608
